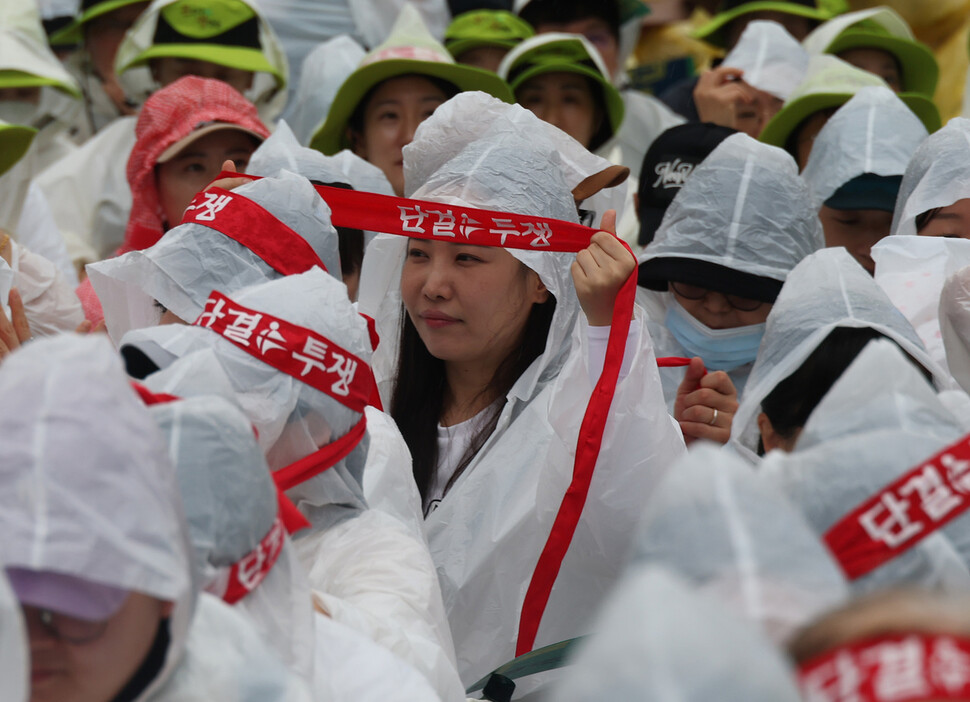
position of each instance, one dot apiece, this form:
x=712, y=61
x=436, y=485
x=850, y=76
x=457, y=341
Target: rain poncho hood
x=478, y=152
x=879, y=28
x=49, y=301
x=324, y=71
x=954, y=315
x=772, y=59
x=410, y=49
x=15, y=659
x=231, y=506
x=89, y=490
x=707, y=521
x=743, y=208
x=292, y=418
x=167, y=117
x=199, y=21
x=912, y=270
x=874, y=132
x=828, y=289
x=937, y=175
x=657, y=639
x=830, y=82
x=192, y=260
x=880, y=420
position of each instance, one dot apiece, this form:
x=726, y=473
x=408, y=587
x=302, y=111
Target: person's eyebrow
x=182, y=155
x=389, y=101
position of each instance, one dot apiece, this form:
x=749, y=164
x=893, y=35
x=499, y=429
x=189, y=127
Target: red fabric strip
x=297, y=351
x=672, y=362
x=252, y=569
x=249, y=224
x=317, y=462
x=904, y=512
x=897, y=668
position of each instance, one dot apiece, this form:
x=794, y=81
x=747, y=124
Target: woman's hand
x=599, y=272
x=14, y=332
x=705, y=404
x=228, y=183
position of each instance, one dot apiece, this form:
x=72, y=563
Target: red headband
x=451, y=223
x=297, y=351
x=901, y=668
x=250, y=570
x=904, y=512
x=254, y=227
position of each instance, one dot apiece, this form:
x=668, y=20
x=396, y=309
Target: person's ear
x=357, y=143
x=770, y=438
x=540, y=293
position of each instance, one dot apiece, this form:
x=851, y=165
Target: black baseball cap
x=669, y=160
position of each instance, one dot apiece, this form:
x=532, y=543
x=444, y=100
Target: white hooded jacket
x=14, y=656
x=489, y=529
x=89, y=492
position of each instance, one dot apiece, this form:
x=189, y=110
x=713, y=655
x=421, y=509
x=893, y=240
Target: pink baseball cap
x=66, y=594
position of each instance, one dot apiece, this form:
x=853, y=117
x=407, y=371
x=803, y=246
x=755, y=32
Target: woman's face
x=564, y=100
x=393, y=113
x=876, y=61
x=469, y=304
x=194, y=167
x=856, y=230
x=94, y=671
x=713, y=309
x=169, y=69
x=952, y=221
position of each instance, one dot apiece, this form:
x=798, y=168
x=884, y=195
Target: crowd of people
x=361, y=350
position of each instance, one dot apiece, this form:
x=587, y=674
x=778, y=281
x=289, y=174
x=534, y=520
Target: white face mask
x=720, y=349
x=17, y=112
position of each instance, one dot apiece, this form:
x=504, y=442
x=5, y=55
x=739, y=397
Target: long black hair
x=419, y=392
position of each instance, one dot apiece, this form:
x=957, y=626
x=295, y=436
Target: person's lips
x=41, y=675
x=437, y=320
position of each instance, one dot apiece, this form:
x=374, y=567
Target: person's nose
x=439, y=281
x=716, y=303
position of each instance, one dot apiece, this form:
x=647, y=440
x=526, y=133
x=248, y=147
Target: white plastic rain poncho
x=489, y=529
x=14, y=656
x=911, y=270
x=192, y=260
x=324, y=71
x=874, y=132
x=879, y=421
x=89, y=492
x=268, y=88
x=367, y=569
x=657, y=640
x=743, y=208
x=828, y=289
x=954, y=315
x=937, y=175
x=716, y=523
x=233, y=515
x=24, y=53
x=772, y=59
x=50, y=304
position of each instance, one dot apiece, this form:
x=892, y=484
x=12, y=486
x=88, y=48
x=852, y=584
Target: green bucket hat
x=555, y=52
x=225, y=32
x=73, y=34
x=880, y=28
x=14, y=142
x=499, y=28
x=714, y=31
x=22, y=79
x=831, y=82
x=410, y=49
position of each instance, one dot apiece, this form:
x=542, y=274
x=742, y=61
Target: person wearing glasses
x=739, y=224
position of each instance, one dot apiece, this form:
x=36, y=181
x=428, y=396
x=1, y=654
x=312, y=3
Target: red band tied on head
x=900, y=668
x=252, y=569
x=904, y=512
x=254, y=227
x=320, y=460
x=464, y=225
x=297, y=351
